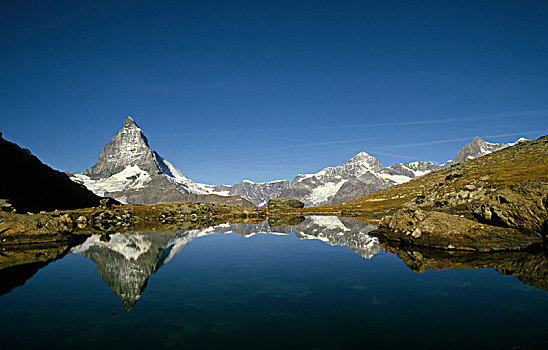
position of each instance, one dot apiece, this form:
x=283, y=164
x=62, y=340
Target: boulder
x=284, y=203
x=446, y=231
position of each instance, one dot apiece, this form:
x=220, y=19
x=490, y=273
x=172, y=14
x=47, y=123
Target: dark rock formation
x=446, y=231
x=32, y=186
x=284, y=203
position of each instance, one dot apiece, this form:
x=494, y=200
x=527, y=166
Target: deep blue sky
x=264, y=90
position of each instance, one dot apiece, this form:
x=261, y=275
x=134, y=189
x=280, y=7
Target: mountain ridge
x=129, y=171
x=363, y=174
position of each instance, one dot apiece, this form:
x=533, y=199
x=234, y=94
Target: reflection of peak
x=126, y=262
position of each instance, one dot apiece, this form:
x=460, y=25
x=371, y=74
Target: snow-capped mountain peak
x=128, y=147
x=132, y=173
x=127, y=164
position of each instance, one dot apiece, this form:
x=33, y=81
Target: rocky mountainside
x=32, y=186
x=125, y=261
x=129, y=171
x=364, y=174
x=360, y=175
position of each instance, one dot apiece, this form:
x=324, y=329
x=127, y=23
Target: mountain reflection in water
x=126, y=261
x=321, y=282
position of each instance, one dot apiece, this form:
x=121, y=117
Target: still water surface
x=323, y=283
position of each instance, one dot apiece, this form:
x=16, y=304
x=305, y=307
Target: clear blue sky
x=265, y=90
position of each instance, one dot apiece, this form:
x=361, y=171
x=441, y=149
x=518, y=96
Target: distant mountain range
x=364, y=174
x=129, y=171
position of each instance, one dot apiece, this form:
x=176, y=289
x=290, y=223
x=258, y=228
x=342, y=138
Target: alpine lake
x=321, y=283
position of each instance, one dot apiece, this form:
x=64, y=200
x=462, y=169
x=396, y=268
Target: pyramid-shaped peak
x=129, y=122
x=129, y=147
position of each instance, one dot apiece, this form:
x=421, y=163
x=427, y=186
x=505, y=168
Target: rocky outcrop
x=446, y=231
x=63, y=225
x=284, y=203
x=523, y=206
x=31, y=186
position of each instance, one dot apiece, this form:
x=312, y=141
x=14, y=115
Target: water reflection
x=530, y=267
x=125, y=261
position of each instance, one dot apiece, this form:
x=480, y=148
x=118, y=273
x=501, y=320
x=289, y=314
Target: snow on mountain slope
x=132, y=173
x=360, y=175
x=364, y=174
x=129, y=170
x=131, y=178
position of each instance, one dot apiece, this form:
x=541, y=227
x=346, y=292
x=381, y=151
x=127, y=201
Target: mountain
x=478, y=148
x=32, y=186
x=360, y=175
x=127, y=260
x=364, y=174
x=129, y=171
x=258, y=193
